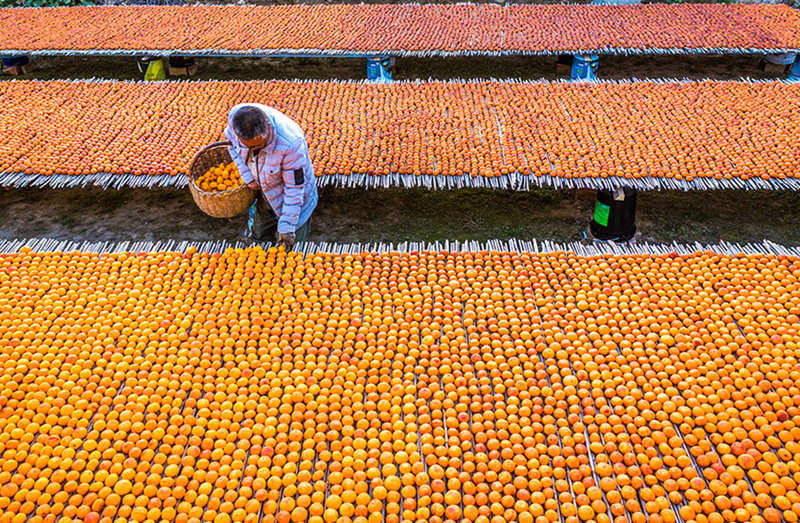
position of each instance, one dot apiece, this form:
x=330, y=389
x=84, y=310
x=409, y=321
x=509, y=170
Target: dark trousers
x=262, y=223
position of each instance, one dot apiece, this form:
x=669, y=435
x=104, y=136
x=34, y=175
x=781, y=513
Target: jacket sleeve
x=235, y=151
x=293, y=170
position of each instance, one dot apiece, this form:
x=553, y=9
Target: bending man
x=271, y=153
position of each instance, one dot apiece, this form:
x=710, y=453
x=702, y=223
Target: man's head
x=252, y=127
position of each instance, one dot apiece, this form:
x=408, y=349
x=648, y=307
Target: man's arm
x=293, y=169
x=233, y=149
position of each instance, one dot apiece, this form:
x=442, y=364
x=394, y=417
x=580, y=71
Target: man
x=271, y=153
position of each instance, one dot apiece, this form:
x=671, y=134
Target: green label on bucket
x=601, y=213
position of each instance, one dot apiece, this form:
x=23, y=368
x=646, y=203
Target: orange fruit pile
x=665, y=130
x=481, y=386
x=422, y=29
x=222, y=177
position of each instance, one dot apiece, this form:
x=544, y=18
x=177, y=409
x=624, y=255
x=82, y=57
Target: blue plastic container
x=380, y=69
x=584, y=67
x=794, y=74
x=15, y=61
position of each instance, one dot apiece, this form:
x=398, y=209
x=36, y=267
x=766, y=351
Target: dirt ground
x=400, y=214
x=522, y=67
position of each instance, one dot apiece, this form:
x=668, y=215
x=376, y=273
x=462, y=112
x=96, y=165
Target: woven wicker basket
x=225, y=204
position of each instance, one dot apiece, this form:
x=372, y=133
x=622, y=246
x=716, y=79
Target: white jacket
x=283, y=169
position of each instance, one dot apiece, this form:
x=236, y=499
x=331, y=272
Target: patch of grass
x=398, y=215
x=110, y=201
x=712, y=216
x=66, y=220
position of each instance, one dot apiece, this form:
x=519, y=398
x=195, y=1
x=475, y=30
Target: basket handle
x=204, y=149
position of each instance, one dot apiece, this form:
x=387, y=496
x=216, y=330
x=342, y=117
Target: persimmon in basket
x=220, y=178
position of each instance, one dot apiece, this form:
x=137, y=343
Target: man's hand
x=254, y=185
x=287, y=240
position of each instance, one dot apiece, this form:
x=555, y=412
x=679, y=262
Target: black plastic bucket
x=614, y=215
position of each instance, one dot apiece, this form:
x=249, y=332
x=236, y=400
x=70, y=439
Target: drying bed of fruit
x=451, y=134
x=405, y=29
x=398, y=384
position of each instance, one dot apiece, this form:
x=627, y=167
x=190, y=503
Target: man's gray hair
x=250, y=121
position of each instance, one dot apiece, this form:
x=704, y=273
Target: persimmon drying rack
x=333, y=53
x=766, y=247
x=516, y=182
x=359, y=31
x=513, y=181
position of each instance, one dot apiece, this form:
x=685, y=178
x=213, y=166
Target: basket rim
x=220, y=193
x=209, y=147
